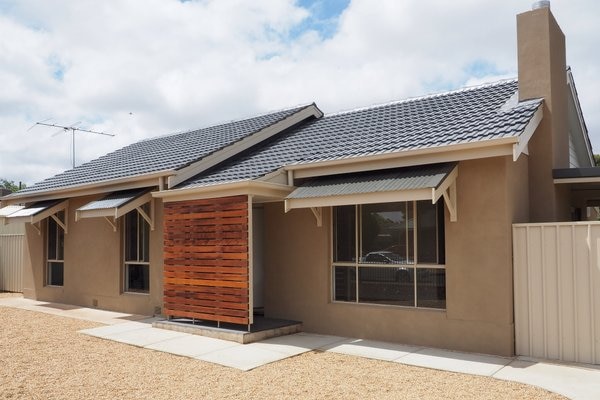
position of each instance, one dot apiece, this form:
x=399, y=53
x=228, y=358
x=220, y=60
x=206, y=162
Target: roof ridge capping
x=427, y=96
x=225, y=122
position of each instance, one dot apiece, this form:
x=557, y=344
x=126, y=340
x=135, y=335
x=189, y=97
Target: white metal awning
x=117, y=204
x=424, y=182
x=34, y=213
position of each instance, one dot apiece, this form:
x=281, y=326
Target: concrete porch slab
x=372, y=349
x=261, y=329
x=191, y=345
x=466, y=363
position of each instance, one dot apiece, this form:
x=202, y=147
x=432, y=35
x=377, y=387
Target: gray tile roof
x=409, y=178
x=462, y=116
x=113, y=200
x=161, y=153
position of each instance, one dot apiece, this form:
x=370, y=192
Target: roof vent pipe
x=540, y=4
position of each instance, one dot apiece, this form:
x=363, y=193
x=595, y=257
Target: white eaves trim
x=408, y=158
x=523, y=140
x=582, y=126
x=229, y=151
x=87, y=189
x=258, y=189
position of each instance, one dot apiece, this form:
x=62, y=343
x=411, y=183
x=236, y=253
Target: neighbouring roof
x=473, y=114
x=408, y=178
x=170, y=152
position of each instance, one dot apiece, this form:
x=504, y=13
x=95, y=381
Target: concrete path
x=576, y=381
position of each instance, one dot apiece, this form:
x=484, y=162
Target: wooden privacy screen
x=206, y=272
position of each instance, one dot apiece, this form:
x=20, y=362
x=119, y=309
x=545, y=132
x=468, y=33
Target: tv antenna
x=68, y=129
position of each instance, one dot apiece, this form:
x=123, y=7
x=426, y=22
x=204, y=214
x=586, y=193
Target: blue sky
x=173, y=66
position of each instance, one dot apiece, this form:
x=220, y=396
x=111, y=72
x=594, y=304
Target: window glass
x=131, y=233
x=386, y=285
x=137, y=252
x=137, y=278
x=387, y=236
x=384, y=234
x=345, y=283
x=427, y=232
x=55, y=273
x=52, y=239
x=431, y=287
x=344, y=234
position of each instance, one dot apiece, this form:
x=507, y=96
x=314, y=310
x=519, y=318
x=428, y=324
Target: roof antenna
x=70, y=128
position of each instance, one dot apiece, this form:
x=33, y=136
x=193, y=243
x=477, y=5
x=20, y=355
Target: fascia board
x=590, y=179
x=115, y=185
x=523, y=141
x=495, y=148
x=580, y=119
x=361, y=198
x=254, y=188
x=243, y=144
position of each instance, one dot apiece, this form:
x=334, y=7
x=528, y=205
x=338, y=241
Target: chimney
x=543, y=74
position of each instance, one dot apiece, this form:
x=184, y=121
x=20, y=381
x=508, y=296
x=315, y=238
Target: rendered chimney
x=543, y=74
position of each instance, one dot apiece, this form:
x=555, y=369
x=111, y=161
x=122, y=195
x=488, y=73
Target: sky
x=142, y=68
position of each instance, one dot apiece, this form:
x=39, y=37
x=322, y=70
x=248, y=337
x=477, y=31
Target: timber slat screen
x=206, y=272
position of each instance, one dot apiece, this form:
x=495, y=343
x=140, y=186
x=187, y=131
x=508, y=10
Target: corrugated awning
x=6, y=211
x=424, y=182
x=117, y=204
x=36, y=212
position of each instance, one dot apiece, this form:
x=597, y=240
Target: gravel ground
x=43, y=357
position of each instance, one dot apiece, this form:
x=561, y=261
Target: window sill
x=55, y=286
x=136, y=293
x=391, y=306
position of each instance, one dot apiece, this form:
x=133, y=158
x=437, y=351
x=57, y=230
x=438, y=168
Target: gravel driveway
x=43, y=357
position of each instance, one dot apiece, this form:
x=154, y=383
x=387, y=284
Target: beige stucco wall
x=492, y=193
x=93, y=268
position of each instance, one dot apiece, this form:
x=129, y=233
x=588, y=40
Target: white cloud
x=140, y=69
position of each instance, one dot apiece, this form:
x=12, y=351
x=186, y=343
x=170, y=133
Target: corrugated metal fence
x=12, y=238
x=557, y=291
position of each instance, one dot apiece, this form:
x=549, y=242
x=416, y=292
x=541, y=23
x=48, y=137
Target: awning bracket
x=450, y=200
x=37, y=227
x=318, y=213
x=149, y=219
x=111, y=223
x=63, y=225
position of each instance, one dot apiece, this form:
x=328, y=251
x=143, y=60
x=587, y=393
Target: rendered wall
x=492, y=193
x=93, y=271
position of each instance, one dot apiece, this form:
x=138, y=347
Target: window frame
x=141, y=226
x=416, y=265
x=50, y=222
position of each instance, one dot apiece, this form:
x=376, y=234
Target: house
x=391, y=222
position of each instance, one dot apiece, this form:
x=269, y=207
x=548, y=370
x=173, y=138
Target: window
x=390, y=253
x=55, y=251
x=137, y=252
